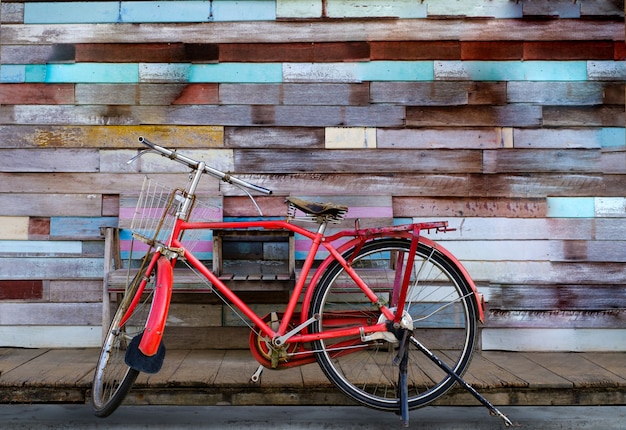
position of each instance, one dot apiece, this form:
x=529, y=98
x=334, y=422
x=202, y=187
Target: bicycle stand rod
x=492, y=409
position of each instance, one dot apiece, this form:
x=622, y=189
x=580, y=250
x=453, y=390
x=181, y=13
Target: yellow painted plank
x=113, y=136
x=350, y=138
x=14, y=228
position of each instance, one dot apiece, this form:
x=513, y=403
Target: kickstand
x=402, y=360
x=492, y=409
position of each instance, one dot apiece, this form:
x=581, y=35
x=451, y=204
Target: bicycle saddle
x=323, y=210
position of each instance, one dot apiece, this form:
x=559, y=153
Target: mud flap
x=139, y=361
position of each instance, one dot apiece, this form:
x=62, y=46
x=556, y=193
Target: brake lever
x=139, y=155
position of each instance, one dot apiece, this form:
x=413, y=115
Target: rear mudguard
x=155, y=325
x=478, y=298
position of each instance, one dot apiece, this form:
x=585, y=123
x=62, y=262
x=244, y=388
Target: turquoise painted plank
x=12, y=73
x=250, y=10
x=612, y=137
x=511, y=70
x=40, y=247
x=237, y=73
x=165, y=11
x=83, y=73
x=79, y=226
x=396, y=71
x=570, y=207
x=71, y=12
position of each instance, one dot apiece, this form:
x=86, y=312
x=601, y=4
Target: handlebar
x=195, y=165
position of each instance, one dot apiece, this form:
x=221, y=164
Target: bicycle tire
x=441, y=304
x=113, y=378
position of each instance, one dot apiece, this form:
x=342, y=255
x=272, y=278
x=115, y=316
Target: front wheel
x=113, y=379
x=439, y=301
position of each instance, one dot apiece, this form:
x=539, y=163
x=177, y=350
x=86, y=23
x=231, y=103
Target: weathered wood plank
x=541, y=160
x=507, y=50
x=54, y=369
x=575, y=319
x=51, y=268
x=273, y=137
x=320, y=31
x=520, y=365
x=51, y=204
x=143, y=52
x=40, y=248
x=465, y=138
x=84, y=291
x=574, y=138
x=38, y=94
x=579, y=370
x=295, y=94
x=50, y=160
x=14, y=228
x=566, y=50
x=11, y=12
x=469, y=207
x=556, y=93
x=21, y=290
x=585, y=116
x=370, y=161
x=110, y=136
x=475, y=116
x=294, y=52
x=50, y=336
x=145, y=94
x=59, y=314
x=511, y=70
x=562, y=340
x=79, y=227
x=415, y=50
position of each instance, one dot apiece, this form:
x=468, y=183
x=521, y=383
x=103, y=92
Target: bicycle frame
x=154, y=327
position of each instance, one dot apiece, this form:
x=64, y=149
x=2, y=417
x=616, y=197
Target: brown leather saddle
x=328, y=211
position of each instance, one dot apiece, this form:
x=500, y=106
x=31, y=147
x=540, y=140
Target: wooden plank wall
x=506, y=118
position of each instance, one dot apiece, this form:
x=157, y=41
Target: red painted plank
x=569, y=50
x=198, y=94
x=41, y=94
x=146, y=52
x=438, y=50
x=21, y=290
x=619, y=51
x=505, y=50
x=38, y=228
x=294, y=52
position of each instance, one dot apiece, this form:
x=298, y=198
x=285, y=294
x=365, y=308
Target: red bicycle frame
x=160, y=305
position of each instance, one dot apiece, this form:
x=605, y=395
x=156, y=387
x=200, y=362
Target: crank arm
x=279, y=341
x=492, y=409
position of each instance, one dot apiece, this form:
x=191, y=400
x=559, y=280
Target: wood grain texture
x=318, y=31
x=476, y=116
x=17, y=94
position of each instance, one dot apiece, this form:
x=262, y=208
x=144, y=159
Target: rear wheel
x=440, y=303
x=113, y=378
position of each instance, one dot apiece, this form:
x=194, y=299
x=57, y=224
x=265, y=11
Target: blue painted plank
x=48, y=247
x=570, y=207
x=612, y=137
x=237, y=73
x=12, y=73
x=80, y=226
x=83, y=73
x=165, y=11
x=71, y=12
x=148, y=11
x=257, y=10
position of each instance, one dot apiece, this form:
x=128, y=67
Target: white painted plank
x=606, y=70
x=576, y=340
x=51, y=336
x=59, y=314
x=14, y=227
x=49, y=247
x=350, y=138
